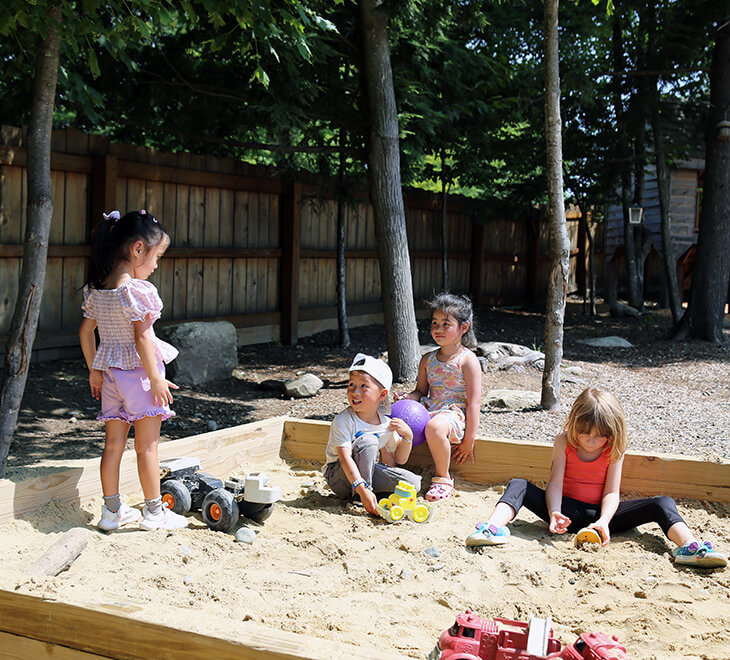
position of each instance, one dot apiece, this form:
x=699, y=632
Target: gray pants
x=383, y=478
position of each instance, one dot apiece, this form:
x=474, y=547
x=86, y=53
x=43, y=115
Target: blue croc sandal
x=701, y=555
x=487, y=534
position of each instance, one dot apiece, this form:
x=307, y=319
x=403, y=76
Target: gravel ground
x=676, y=394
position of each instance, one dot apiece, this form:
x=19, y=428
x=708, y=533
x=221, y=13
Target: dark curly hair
x=460, y=308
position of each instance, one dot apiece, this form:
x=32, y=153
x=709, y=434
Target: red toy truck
x=474, y=638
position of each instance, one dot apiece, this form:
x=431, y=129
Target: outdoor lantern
x=636, y=214
x=723, y=130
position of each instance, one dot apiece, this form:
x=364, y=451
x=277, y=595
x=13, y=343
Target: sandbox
x=325, y=580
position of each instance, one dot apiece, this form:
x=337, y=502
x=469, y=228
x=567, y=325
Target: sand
x=329, y=570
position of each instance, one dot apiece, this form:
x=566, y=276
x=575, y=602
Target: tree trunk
x=559, y=241
x=588, y=274
x=401, y=332
x=591, y=270
x=40, y=208
x=341, y=279
x=704, y=316
x=444, y=240
x=635, y=297
x=662, y=175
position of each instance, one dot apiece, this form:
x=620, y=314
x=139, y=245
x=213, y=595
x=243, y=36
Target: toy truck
x=403, y=502
x=474, y=638
x=185, y=487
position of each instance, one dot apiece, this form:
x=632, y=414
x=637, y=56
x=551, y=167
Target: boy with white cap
x=362, y=434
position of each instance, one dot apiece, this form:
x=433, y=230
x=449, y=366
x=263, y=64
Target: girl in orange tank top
x=583, y=488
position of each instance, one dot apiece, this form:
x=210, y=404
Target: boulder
x=302, y=386
x=512, y=399
x=208, y=351
x=607, y=342
x=502, y=355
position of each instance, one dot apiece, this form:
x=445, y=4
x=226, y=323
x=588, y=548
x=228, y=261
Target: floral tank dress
x=447, y=392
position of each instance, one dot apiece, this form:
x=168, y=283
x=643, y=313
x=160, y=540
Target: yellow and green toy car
x=404, y=503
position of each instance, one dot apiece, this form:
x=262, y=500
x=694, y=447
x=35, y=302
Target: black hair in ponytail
x=113, y=237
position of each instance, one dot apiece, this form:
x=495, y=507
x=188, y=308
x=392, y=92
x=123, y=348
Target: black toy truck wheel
x=256, y=511
x=220, y=510
x=176, y=496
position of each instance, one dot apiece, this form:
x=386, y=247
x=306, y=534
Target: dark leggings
x=661, y=509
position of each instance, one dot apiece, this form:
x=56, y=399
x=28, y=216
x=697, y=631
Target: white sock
x=113, y=502
x=154, y=506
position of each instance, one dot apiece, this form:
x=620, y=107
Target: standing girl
x=127, y=369
x=449, y=385
x=583, y=488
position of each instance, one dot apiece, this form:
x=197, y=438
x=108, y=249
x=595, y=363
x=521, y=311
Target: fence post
x=103, y=187
x=478, y=235
x=291, y=221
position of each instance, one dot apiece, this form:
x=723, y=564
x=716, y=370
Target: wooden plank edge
x=93, y=630
x=218, y=451
x=17, y=647
x=644, y=473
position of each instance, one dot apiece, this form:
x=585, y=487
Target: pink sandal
x=440, y=488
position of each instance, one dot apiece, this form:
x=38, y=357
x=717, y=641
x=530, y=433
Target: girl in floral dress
x=449, y=385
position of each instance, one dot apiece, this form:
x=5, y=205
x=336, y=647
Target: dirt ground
x=327, y=570
x=676, y=395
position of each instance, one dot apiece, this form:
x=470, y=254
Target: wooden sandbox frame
x=31, y=627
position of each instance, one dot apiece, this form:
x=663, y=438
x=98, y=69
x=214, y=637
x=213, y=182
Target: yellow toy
x=403, y=502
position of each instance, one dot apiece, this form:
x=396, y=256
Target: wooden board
x=219, y=451
x=16, y=647
x=500, y=460
x=99, y=633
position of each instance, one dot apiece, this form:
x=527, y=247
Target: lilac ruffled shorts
x=126, y=396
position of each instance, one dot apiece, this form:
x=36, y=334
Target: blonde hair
x=600, y=410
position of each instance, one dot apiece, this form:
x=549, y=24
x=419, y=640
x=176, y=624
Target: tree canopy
x=276, y=81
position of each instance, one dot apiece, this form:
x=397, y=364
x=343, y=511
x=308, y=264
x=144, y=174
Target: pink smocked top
x=114, y=310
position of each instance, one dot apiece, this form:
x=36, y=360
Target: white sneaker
x=487, y=534
x=163, y=519
x=114, y=519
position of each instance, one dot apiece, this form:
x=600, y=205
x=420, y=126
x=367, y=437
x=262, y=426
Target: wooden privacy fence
x=246, y=245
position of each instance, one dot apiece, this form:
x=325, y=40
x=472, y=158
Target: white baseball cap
x=378, y=369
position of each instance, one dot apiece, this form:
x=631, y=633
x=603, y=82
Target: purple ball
x=415, y=415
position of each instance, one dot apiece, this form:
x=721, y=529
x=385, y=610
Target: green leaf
x=303, y=49
x=261, y=76
x=93, y=63
x=144, y=29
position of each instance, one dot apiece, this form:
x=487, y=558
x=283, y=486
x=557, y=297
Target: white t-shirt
x=347, y=424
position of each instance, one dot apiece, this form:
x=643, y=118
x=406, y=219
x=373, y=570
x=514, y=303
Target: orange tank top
x=583, y=480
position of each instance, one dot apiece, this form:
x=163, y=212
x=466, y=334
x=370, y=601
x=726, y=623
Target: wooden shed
x=685, y=194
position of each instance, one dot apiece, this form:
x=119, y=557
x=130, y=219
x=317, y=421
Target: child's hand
x=96, y=380
x=397, y=396
x=464, y=450
x=401, y=428
x=160, y=390
x=602, y=529
x=559, y=523
x=368, y=499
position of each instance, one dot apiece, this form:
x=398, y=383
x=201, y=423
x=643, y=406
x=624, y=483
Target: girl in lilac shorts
x=127, y=368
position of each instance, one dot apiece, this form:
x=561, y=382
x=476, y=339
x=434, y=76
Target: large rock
x=208, y=351
x=512, y=399
x=607, y=342
x=303, y=386
x=502, y=355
